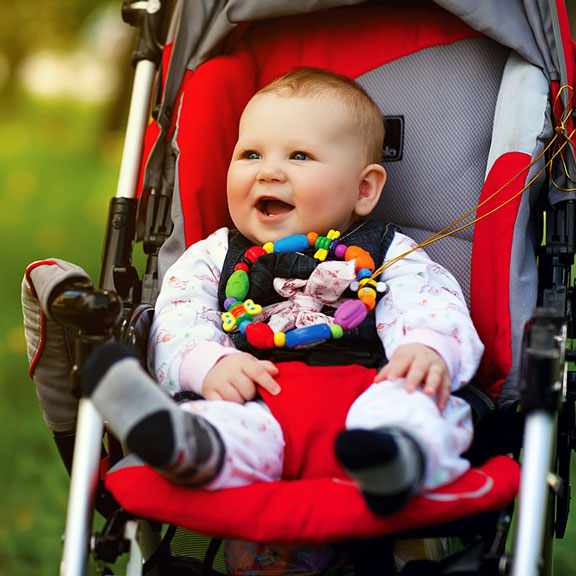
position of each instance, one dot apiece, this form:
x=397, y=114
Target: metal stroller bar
x=94, y=314
x=116, y=269
x=137, y=122
x=541, y=377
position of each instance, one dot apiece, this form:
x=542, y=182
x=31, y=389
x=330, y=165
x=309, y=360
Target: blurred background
x=65, y=80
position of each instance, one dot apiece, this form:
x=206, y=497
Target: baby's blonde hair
x=317, y=82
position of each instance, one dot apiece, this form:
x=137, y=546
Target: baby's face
x=297, y=168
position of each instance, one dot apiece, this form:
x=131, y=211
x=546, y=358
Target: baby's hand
x=235, y=378
x=421, y=366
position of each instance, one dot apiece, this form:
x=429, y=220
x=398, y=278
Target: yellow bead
x=279, y=339
x=269, y=247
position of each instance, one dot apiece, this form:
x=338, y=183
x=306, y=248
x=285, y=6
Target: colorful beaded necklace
x=240, y=312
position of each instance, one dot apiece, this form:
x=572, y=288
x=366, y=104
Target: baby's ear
x=371, y=183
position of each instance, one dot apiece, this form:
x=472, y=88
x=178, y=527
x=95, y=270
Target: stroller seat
x=454, y=127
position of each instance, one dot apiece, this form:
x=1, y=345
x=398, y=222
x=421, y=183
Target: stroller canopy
x=538, y=30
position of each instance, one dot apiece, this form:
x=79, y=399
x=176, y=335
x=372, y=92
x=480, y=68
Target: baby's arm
x=236, y=378
x=188, y=348
x=424, y=307
x=186, y=338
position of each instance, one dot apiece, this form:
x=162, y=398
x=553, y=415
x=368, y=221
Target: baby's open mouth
x=273, y=207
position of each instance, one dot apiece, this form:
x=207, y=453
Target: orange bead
x=363, y=258
x=369, y=300
x=312, y=236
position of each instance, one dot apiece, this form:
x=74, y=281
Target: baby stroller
x=478, y=102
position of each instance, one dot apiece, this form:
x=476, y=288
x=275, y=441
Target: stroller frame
x=122, y=303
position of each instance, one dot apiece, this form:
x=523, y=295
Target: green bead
x=237, y=285
x=322, y=243
x=243, y=317
x=336, y=331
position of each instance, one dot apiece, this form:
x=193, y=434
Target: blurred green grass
x=58, y=169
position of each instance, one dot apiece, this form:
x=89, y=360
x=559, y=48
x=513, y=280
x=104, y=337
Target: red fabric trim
x=568, y=46
x=40, y=345
x=308, y=511
x=490, y=274
x=215, y=95
x=33, y=266
x=42, y=315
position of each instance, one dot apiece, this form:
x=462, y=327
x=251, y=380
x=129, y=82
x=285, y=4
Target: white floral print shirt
x=423, y=304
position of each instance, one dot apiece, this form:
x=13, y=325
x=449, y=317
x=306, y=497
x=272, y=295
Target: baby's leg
x=397, y=443
x=185, y=447
x=252, y=438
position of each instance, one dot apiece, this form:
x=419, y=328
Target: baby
x=307, y=160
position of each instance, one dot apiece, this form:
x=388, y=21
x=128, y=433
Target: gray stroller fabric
x=526, y=26
x=49, y=344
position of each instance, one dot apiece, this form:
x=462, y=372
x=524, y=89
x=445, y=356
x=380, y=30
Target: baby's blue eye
x=300, y=156
x=252, y=155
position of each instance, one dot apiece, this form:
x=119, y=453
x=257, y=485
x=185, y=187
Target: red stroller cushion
x=316, y=501
x=310, y=510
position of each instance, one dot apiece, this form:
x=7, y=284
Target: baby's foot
x=184, y=447
x=386, y=463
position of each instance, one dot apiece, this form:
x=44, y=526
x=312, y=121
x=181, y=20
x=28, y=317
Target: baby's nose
x=271, y=172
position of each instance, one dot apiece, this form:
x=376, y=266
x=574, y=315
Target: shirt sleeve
x=424, y=304
x=186, y=338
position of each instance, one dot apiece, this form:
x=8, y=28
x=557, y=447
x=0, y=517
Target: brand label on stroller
x=394, y=139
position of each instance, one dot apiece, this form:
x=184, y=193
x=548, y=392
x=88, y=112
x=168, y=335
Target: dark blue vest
x=358, y=346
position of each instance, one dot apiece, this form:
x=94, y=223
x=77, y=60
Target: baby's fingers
x=262, y=373
x=438, y=385
x=396, y=368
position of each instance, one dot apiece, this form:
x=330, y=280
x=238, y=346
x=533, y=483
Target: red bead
x=254, y=253
x=260, y=335
x=242, y=266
